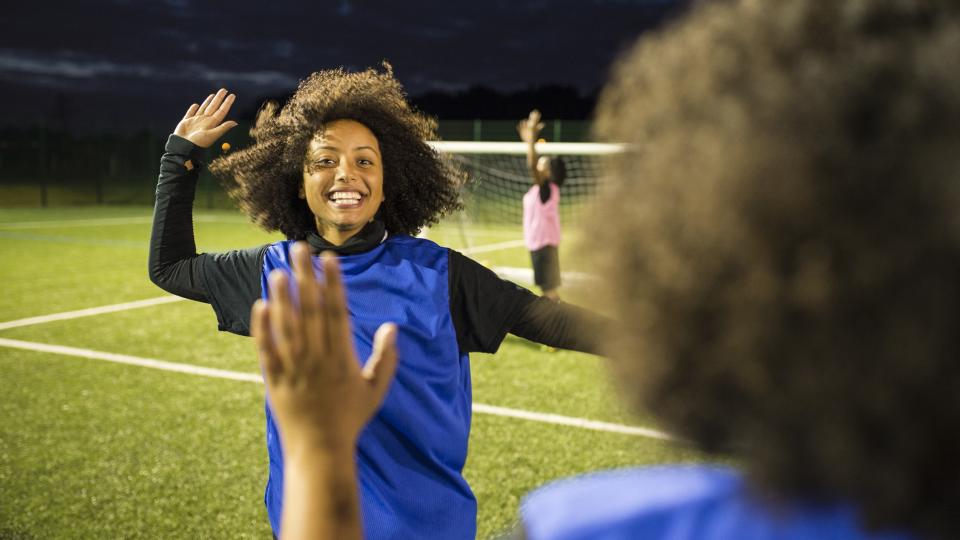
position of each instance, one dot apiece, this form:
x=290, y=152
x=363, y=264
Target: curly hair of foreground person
x=786, y=246
x=265, y=179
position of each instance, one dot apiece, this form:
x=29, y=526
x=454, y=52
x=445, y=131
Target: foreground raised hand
x=203, y=124
x=319, y=394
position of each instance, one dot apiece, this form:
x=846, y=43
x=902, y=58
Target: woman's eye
x=326, y=162
x=364, y=162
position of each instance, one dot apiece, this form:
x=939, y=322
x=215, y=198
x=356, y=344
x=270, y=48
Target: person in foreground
x=345, y=167
x=541, y=209
x=782, y=250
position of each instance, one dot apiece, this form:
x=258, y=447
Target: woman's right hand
x=203, y=124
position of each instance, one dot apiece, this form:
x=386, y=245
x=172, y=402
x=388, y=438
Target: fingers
x=191, y=111
x=222, y=129
x=260, y=330
x=203, y=106
x=223, y=108
x=382, y=363
x=339, y=336
x=311, y=299
x=284, y=321
x=534, y=117
x=218, y=99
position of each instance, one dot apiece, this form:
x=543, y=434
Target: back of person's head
x=783, y=245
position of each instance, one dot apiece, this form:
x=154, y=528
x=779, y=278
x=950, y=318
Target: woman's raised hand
x=203, y=124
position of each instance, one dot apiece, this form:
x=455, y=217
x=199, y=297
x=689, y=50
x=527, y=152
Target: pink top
x=541, y=220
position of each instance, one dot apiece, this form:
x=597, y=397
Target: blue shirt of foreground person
x=679, y=503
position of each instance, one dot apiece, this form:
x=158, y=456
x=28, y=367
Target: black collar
x=369, y=237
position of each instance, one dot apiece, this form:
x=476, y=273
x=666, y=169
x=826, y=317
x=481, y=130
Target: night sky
x=100, y=65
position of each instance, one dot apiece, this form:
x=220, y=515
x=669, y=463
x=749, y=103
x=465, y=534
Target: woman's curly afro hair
x=265, y=179
x=783, y=241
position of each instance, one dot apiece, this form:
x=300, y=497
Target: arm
x=174, y=264
x=560, y=325
x=485, y=308
x=320, y=395
x=529, y=129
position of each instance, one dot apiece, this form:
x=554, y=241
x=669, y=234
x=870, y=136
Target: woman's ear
x=301, y=193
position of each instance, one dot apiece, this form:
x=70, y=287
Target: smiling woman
x=343, y=179
x=345, y=166
x=266, y=179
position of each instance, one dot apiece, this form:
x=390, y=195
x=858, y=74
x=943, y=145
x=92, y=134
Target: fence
x=45, y=167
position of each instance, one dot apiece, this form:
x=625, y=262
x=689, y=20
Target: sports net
x=499, y=177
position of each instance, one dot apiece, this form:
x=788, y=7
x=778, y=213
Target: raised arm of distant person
x=321, y=397
x=529, y=129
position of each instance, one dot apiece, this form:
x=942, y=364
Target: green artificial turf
x=95, y=449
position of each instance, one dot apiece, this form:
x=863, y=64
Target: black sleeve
x=229, y=281
x=545, y=192
x=485, y=308
x=174, y=265
x=233, y=284
x=560, y=325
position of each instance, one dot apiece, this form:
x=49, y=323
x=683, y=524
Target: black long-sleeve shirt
x=484, y=307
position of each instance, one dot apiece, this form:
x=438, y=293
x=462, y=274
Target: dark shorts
x=546, y=267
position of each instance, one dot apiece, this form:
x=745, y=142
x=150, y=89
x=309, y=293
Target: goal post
x=498, y=177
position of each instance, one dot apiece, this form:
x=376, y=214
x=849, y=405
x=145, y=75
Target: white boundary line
x=76, y=223
x=130, y=360
x=514, y=273
x=89, y=311
x=582, y=423
x=95, y=222
x=493, y=247
x=190, y=369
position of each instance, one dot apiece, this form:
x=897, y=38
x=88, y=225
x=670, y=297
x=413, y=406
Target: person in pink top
x=541, y=209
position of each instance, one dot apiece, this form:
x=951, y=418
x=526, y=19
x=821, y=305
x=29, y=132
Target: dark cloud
x=174, y=51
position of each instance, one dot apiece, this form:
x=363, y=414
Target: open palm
x=203, y=124
x=529, y=128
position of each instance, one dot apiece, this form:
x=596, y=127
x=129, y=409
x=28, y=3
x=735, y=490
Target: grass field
x=98, y=449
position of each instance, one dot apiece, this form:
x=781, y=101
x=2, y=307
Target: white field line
x=493, y=247
x=189, y=369
x=221, y=219
x=97, y=222
x=76, y=223
x=572, y=422
x=526, y=274
x=474, y=232
x=89, y=311
x=130, y=360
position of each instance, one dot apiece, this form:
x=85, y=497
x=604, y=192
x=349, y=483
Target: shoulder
x=230, y=264
x=632, y=500
x=420, y=251
x=277, y=252
x=414, y=243
x=681, y=502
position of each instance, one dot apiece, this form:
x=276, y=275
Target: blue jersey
x=679, y=503
x=410, y=456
